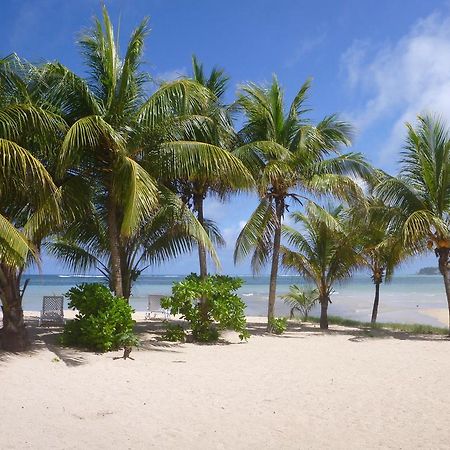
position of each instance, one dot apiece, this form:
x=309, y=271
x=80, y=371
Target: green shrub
x=103, y=321
x=220, y=309
x=174, y=333
x=278, y=325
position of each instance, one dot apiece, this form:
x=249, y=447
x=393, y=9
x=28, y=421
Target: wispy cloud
x=171, y=75
x=304, y=47
x=401, y=79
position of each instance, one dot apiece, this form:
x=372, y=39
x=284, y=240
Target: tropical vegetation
x=224, y=308
x=421, y=192
x=290, y=158
x=111, y=171
x=322, y=250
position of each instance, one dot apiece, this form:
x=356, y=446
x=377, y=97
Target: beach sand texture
x=303, y=390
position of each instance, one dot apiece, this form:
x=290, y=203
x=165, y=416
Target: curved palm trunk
x=443, y=268
x=275, y=263
x=114, y=247
x=375, y=303
x=324, y=301
x=198, y=205
x=13, y=335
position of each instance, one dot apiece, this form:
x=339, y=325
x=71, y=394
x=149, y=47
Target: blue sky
x=378, y=63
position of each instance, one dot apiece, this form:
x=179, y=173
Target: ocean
x=403, y=300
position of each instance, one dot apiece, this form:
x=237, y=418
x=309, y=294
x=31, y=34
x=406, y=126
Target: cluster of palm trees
x=106, y=174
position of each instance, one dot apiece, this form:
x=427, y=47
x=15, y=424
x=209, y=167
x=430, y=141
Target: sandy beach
x=344, y=389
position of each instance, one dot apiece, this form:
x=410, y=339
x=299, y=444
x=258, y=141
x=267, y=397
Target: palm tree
x=112, y=125
x=209, y=139
x=289, y=157
x=421, y=192
x=380, y=245
x=302, y=300
x=29, y=204
x=324, y=252
x=170, y=232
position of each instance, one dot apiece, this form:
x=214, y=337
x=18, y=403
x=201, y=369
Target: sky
x=377, y=63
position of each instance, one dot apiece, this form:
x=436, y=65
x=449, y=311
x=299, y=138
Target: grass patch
x=413, y=328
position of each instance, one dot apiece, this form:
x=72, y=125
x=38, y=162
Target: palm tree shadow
x=363, y=333
x=297, y=329
x=49, y=337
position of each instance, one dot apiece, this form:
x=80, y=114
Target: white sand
x=440, y=314
x=303, y=390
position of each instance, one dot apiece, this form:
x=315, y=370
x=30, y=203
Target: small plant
x=301, y=300
x=209, y=304
x=174, y=333
x=278, y=325
x=103, y=322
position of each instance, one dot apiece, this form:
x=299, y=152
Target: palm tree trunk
x=203, y=301
x=198, y=201
x=275, y=263
x=375, y=303
x=13, y=335
x=443, y=268
x=114, y=248
x=324, y=312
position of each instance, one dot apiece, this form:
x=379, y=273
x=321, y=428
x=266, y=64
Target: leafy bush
x=103, y=321
x=219, y=308
x=278, y=325
x=302, y=300
x=174, y=333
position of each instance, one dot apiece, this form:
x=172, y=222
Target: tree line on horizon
x=104, y=175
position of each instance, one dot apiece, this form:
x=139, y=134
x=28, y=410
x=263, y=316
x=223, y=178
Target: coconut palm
x=170, y=232
x=421, y=192
x=209, y=139
x=323, y=250
x=300, y=299
x=289, y=158
x=112, y=126
x=380, y=244
x=29, y=200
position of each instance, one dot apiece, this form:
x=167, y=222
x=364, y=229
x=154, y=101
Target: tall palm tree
x=209, y=139
x=170, y=232
x=289, y=158
x=29, y=200
x=112, y=124
x=380, y=244
x=324, y=252
x=421, y=192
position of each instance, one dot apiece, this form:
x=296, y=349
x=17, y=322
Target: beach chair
x=154, y=307
x=52, y=310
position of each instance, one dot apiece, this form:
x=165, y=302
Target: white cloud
x=231, y=233
x=306, y=46
x=402, y=79
x=170, y=75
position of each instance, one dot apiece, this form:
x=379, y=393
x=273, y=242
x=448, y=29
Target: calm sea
x=402, y=300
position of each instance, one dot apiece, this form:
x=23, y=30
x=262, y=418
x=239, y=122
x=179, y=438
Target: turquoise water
x=402, y=300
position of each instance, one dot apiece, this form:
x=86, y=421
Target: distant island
x=428, y=271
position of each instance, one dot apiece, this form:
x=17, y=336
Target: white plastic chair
x=154, y=307
x=52, y=309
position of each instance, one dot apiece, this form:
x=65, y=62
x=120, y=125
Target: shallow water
x=402, y=300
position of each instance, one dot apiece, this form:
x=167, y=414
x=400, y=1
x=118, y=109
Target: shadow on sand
x=150, y=337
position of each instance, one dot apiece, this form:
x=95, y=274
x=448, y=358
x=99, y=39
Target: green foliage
x=219, y=309
x=103, y=321
x=302, y=300
x=174, y=333
x=278, y=325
